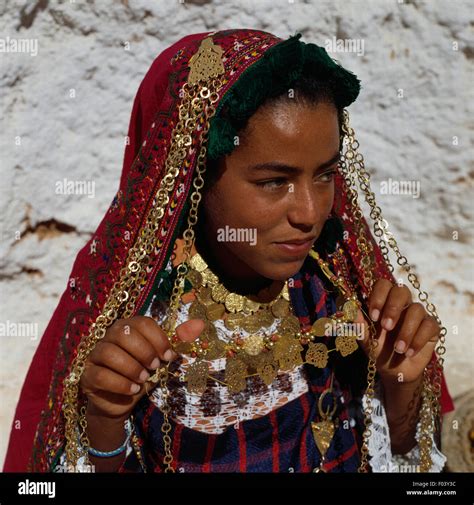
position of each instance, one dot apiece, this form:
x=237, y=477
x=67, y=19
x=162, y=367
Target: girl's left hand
x=406, y=333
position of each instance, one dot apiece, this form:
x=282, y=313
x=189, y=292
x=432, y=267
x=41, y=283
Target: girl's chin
x=283, y=271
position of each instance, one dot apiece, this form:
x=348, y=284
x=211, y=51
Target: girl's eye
x=275, y=184
x=272, y=184
x=328, y=176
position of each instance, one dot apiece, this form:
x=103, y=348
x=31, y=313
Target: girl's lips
x=295, y=250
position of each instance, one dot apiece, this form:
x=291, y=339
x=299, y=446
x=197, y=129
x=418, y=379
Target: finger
x=130, y=339
x=397, y=299
x=110, y=355
x=413, y=316
x=427, y=334
x=363, y=331
x=152, y=331
x=99, y=377
x=190, y=330
x=377, y=298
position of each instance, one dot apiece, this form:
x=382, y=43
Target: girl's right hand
x=117, y=368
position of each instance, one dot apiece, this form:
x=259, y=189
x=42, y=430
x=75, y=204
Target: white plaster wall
x=423, y=48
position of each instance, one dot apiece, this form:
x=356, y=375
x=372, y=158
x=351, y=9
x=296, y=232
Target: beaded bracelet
x=119, y=450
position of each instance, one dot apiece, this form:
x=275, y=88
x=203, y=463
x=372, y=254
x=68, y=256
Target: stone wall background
x=65, y=114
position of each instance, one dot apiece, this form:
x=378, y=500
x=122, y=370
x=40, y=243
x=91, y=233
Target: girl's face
x=276, y=187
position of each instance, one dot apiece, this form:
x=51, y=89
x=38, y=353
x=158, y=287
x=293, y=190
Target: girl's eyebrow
x=275, y=166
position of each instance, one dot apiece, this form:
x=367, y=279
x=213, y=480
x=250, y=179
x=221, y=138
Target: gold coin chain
x=352, y=164
x=194, y=111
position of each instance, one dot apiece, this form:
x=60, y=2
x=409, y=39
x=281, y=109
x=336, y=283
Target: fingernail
x=169, y=355
x=134, y=388
x=375, y=315
x=400, y=347
x=144, y=375
x=387, y=323
x=410, y=353
x=155, y=363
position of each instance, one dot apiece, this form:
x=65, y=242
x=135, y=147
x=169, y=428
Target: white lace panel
x=380, y=450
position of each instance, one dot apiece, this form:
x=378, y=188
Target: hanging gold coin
x=253, y=345
x=235, y=372
x=208, y=278
x=266, y=318
x=267, y=373
x=322, y=327
x=196, y=377
x=282, y=346
x=215, y=350
x=215, y=311
x=210, y=332
x=204, y=296
x=252, y=323
x=197, y=310
x=317, y=355
x=234, y=302
x=280, y=308
x=346, y=345
x=219, y=293
x=350, y=310
x=290, y=325
x=194, y=277
x=251, y=305
x=234, y=321
x=183, y=347
x=198, y=263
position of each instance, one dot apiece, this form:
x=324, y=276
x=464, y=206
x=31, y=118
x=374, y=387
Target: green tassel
x=270, y=76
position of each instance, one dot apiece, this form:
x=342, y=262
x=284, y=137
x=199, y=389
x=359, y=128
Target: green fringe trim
x=270, y=76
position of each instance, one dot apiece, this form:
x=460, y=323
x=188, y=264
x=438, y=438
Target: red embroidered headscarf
x=40, y=434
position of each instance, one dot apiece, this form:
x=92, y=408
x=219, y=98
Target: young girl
x=232, y=312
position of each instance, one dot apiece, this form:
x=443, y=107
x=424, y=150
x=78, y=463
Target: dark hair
x=305, y=91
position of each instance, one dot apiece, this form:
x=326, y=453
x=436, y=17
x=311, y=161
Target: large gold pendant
x=206, y=63
x=323, y=432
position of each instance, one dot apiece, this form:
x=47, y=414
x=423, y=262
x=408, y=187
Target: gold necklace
x=262, y=354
